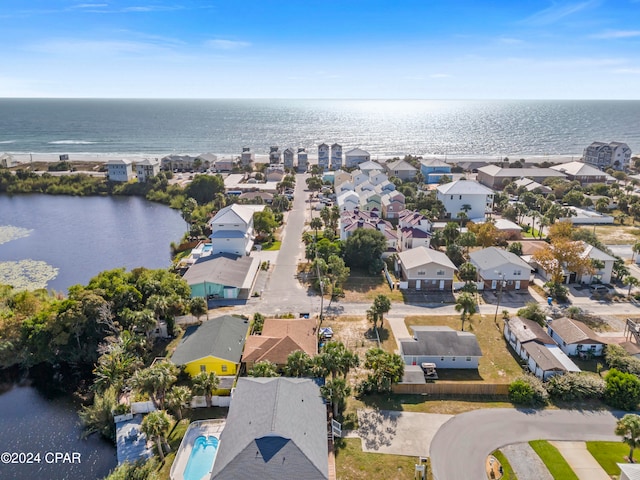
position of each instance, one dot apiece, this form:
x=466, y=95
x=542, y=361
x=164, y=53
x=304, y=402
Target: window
x=453, y=359
x=422, y=272
x=451, y=197
x=517, y=273
x=224, y=368
x=203, y=368
x=442, y=359
x=459, y=197
x=468, y=359
x=440, y=273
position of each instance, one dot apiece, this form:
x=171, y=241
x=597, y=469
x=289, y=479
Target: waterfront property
x=583, y=173
x=467, y=196
x=120, y=170
x=497, y=177
x=433, y=170
x=198, y=450
x=445, y=347
x=276, y=429
x=356, y=156
x=336, y=156
x=232, y=229
x=323, y=157
x=615, y=155
x=147, y=168
x=214, y=346
x=280, y=338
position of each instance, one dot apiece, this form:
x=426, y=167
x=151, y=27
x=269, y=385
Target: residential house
x=369, y=200
x=495, y=265
x=279, y=338
x=232, y=229
x=336, y=156
x=414, y=230
x=421, y=268
x=340, y=177
x=147, y=168
x=496, y=177
x=575, y=338
x=600, y=275
x=275, y=156
x=223, y=165
x=119, y=170
x=303, y=160
x=356, y=156
x=222, y=277
x=433, y=170
x=615, y=155
x=213, y=346
x=181, y=163
x=276, y=429
x=445, y=347
x=205, y=161
x=247, y=157
x=348, y=201
x=392, y=204
x=350, y=221
x=529, y=185
x=7, y=160
x=323, y=157
x=629, y=471
x=287, y=156
x=583, y=173
x=274, y=173
x=465, y=196
x=401, y=169
x=257, y=197
x=368, y=166
x=532, y=344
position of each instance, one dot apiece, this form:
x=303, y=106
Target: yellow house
x=214, y=346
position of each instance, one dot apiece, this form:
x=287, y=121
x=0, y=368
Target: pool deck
x=131, y=443
x=196, y=429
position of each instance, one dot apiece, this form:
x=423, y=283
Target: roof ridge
x=275, y=405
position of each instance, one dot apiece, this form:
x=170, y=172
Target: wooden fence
x=453, y=389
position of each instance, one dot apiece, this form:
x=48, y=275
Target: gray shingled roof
x=573, y=331
x=276, y=430
x=223, y=269
x=221, y=337
x=527, y=330
x=441, y=341
x=492, y=258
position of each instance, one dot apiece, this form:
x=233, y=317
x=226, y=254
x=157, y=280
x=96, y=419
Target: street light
x=495, y=318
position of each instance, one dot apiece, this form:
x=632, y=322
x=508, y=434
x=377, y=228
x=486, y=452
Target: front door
x=418, y=282
x=494, y=284
x=517, y=284
x=441, y=284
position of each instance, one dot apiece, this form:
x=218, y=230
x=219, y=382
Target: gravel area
x=525, y=462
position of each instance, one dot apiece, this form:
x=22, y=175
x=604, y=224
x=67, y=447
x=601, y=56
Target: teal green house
x=222, y=276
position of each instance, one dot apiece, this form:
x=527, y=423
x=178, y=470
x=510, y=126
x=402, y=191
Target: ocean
x=384, y=128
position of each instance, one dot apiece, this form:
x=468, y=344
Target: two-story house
x=355, y=157
x=147, y=168
x=232, y=229
x=120, y=170
x=495, y=265
x=433, y=170
x=467, y=196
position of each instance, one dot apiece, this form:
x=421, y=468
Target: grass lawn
x=555, y=463
x=608, y=454
x=497, y=364
x=354, y=464
x=273, y=247
x=362, y=287
x=506, y=466
x=616, y=234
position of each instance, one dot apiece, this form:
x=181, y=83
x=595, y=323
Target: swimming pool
x=202, y=457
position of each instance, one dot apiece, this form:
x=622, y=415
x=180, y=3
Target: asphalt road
x=459, y=449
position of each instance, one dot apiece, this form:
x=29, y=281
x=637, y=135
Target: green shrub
x=533, y=311
x=622, y=390
x=575, y=386
x=528, y=390
x=617, y=357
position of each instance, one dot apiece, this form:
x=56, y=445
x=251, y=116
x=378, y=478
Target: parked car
x=599, y=289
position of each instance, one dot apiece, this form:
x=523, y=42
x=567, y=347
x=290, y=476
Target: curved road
x=460, y=447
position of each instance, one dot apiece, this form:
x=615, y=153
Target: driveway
x=472, y=436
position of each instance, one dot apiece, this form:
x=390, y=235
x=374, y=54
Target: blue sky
x=432, y=49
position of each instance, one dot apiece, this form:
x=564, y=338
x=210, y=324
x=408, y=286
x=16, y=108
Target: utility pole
x=495, y=317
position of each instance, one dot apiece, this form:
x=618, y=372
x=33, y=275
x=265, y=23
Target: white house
x=496, y=264
x=532, y=344
x=445, y=347
x=147, y=168
x=601, y=155
x=465, y=196
x=323, y=157
x=356, y=156
x=232, y=229
x=414, y=230
x=336, y=156
x=575, y=338
x=368, y=166
x=119, y=170
x=348, y=201
x=247, y=157
x=600, y=275
x=421, y=268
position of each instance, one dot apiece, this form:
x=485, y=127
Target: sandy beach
x=260, y=158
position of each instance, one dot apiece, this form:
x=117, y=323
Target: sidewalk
x=581, y=461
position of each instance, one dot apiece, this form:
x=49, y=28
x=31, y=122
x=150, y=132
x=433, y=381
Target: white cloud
x=221, y=44
x=618, y=34
x=558, y=11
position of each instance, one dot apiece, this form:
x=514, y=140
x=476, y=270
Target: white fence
x=200, y=401
x=142, y=407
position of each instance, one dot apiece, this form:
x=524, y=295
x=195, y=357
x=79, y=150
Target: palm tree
x=316, y=224
x=155, y=380
x=198, y=307
x=381, y=305
x=467, y=305
x=628, y=427
x=299, y=364
x=632, y=282
x=179, y=398
x=264, y=368
x=155, y=426
x=336, y=391
x=205, y=384
x=336, y=359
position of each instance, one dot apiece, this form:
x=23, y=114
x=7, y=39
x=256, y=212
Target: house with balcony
x=147, y=168
x=393, y=203
x=120, y=170
x=433, y=170
x=247, y=157
x=323, y=157
x=601, y=155
x=336, y=156
x=275, y=156
x=181, y=163
x=496, y=265
x=350, y=221
x=414, y=230
x=422, y=268
x=288, y=156
x=303, y=160
x=401, y=169
x=356, y=156
x=232, y=229
x=205, y=161
x=467, y=196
